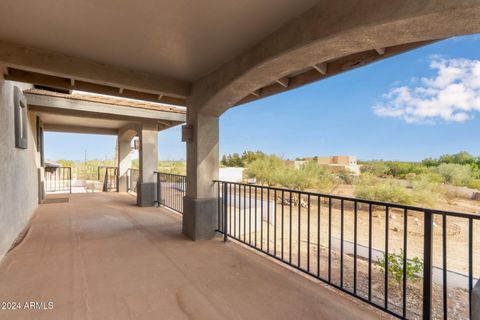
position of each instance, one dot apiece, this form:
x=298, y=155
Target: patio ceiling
x=213, y=53
x=165, y=44
x=81, y=113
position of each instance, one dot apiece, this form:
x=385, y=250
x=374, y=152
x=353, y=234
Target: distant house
x=336, y=162
x=231, y=174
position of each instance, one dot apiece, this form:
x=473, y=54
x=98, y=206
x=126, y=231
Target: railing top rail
x=107, y=167
x=171, y=174
x=56, y=167
x=360, y=200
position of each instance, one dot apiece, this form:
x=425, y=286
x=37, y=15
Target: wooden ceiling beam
x=283, y=81
x=321, y=67
x=64, y=83
x=380, y=51
x=256, y=93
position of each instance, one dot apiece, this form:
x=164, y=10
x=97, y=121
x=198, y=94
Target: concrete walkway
x=101, y=257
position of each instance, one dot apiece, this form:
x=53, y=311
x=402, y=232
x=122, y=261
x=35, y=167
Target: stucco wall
x=18, y=171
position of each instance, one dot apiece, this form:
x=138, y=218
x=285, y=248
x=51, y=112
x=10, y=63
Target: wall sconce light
x=136, y=144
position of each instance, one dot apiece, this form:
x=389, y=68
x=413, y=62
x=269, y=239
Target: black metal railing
x=360, y=247
x=171, y=189
x=58, y=179
x=132, y=179
x=109, y=176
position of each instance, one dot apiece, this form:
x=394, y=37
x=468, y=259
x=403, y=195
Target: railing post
x=117, y=177
x=225, y=215
x=70, y=177
x=159, y=190
x=128, y=180
x=427, y=265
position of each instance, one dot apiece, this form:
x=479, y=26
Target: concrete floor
x=101, y=257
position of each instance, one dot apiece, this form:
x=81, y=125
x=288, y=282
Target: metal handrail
x=61, y=180
x=240, y=203
x=361, y=200
x=106, y=180
x=171, y=188
x=131, y=180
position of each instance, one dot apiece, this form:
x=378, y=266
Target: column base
x=146, y=194
x=199, y=218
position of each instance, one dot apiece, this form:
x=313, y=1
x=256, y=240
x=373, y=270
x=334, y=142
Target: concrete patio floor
x=101, y=257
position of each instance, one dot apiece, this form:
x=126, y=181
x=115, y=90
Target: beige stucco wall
x=18, y=171
x=345, y=160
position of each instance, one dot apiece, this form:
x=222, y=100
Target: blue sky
x=351, y=113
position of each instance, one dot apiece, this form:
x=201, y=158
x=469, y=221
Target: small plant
x=395, y=266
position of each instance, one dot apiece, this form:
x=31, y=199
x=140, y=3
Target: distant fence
x=171, y=189
x=132, y=179
x=58, y=179
x=109, y=177
x=336, y=240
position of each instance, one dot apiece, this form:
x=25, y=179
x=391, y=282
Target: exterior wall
x=19, y=195
x=344, y=160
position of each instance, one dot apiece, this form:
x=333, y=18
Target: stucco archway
x=337, y=35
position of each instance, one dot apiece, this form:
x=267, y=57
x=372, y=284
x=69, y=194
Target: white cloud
x=451, y=95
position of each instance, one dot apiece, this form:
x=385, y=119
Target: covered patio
x=99, y=256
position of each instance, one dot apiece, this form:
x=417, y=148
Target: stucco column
x=124, y=161
x=148, y=159
x=200, y=203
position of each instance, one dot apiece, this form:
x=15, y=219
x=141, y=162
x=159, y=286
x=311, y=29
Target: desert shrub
x=274, y=171
x=177, y=167
x=474, y=184
x=375, y=167
x=415, y=191
x=429, y=176
x=395, y=266
x=345, y=176
x=456, y=174
x=396, y=169
x=66, y=163
x=135, y=164
x=457, y=158
x=85, y=170
x=424, y=192
x=385, y=190
x=172, y=166
x=320, y=177
x=402, y=169
x=267, y=170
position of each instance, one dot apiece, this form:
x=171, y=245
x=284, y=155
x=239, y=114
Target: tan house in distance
x=337, y=162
